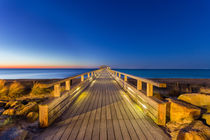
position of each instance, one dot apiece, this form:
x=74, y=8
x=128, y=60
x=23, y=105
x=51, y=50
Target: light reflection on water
x=40, y=73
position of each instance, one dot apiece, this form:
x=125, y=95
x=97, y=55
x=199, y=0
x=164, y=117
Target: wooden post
x=82, y=78
x=43, y=116
x=119, y=75
x=68, y=86
x=57, y=90
x=162, y=114
x=125, y=78
x=149, y=89
x=88, y=75
x=139, y=85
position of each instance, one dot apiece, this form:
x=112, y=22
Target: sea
x=63, y=73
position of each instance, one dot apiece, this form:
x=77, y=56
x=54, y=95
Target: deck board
x=103, y=111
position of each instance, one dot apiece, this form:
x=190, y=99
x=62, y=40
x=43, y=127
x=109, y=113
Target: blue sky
x=124, y=34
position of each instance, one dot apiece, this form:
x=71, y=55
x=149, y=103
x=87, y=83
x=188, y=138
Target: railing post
x=149, y=89
x=57, y=90
x=88, y=75
x=162, y=114
x=82, y=78
x=119, y=75
x=125, y=78
x=68, y=86
x=139, y=85
x=43, y=116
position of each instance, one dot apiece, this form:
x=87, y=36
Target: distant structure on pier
x=104, y=66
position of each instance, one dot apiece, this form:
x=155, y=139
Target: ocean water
x=63, y=73
x=40, y=73
x=169, y=73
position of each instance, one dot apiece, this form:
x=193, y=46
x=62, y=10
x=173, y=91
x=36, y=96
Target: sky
x=142, y=34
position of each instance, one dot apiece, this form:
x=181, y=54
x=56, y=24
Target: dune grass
x=2, y=84
x=39, y=89
x=16, y=89
x=3, y=90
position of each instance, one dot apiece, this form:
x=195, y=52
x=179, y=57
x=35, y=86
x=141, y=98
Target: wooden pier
x=103, y=107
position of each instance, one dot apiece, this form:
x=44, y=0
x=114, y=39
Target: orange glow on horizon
x=37, y=67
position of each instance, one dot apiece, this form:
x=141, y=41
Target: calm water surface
x=169, y=73
x=63, y=73
x=40, y=73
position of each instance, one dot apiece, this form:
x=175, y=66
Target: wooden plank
x=55, y=129
x=87, y=116
x=50, y=132
x=133, y=118
x=110, y=131
x=149, y=127
x=123, y=127
x=142, y=132
x=105, y=113
x=74, y=116
x=115, y=121
x=103, y=132
x=129, y=126
x=157, y=84
x=89, y=131
x=80, y=117
x=96, y=128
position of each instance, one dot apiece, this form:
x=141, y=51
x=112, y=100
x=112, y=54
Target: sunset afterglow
x=137, y=34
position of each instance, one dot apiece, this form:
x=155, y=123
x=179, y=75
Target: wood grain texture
x=103, y=111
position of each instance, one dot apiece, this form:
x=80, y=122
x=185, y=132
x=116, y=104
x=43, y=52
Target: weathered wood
x=67, y=86
x=43, y=115
x=104, y=111
x=57, y=106
x=149, y=104
x=162, y=114
x=57, y=90
x=149, y=89
x=157, y=84
x=139, y=85
x=69, y=78
x=82, y=78
x=125, y=78
x=119, y=75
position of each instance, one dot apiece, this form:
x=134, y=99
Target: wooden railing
x=54, y=107
x=154, y=107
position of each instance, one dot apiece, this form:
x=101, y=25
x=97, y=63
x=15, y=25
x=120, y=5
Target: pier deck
x=103, y=111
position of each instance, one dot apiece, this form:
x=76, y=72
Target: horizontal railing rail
x=153, y=106
x=150, y=83
x=71, y=78
x=54, y=107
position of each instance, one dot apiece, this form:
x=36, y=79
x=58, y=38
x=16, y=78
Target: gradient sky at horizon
x=121, y=34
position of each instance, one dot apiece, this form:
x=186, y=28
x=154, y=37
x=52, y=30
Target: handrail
x=157, y=84
x=154, y=107
x=54, y=107
x=69, y=78
x=67, y=81
x=149, y=83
